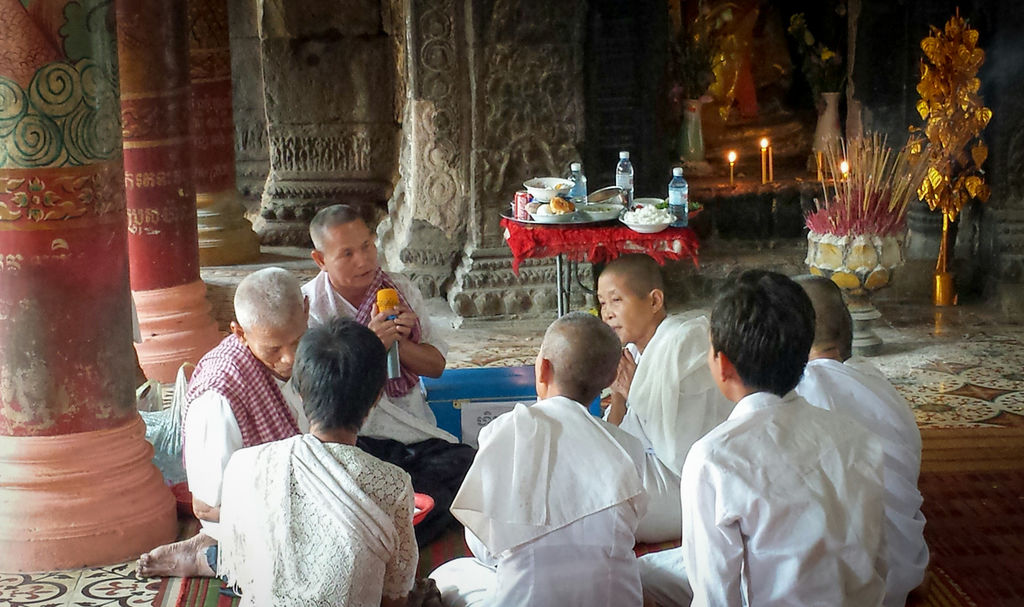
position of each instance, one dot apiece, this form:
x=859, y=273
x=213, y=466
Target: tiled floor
x=110, y=586
x=957, y=367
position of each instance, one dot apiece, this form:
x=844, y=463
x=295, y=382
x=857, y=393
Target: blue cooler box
x=501, y=386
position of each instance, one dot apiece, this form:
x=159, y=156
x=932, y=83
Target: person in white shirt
x=238, y=396
x=853, y=387
x=782, y=502
x=401, y=429
x=553, y=499
x=663, y=392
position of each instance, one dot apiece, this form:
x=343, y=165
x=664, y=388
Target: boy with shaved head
x=855, y=388
x=663, y=393
x=545, y=530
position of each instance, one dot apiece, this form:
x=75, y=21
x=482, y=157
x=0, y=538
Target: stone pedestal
x=328, y=77
x=77, y=487
x=162, y=242
x=225, y=236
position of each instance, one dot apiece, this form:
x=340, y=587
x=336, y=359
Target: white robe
x=311, y=523
x=782, y=504
x=672, y=402
x=859, y=390
x=538, y=514
x=407, y=419
x=211, y=437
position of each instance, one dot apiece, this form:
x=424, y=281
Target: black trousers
x=437, y=468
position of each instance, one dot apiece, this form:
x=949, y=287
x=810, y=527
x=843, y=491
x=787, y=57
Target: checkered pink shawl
x=232, y=371
x=408, y=380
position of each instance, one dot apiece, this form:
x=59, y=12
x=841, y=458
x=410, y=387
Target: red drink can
x=519, y=205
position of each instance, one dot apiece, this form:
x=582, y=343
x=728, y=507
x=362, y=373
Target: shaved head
x=833, y=327
x=584, y=354
x=270, y=298
x=327, y=218
x=641, y=273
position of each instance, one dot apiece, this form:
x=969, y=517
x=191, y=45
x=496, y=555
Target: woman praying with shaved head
x=663, y=392
x=553, y=499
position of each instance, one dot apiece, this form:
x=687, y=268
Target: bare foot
x=186, y=558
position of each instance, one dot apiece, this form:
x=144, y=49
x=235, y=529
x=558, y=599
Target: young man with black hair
x=782, y=502
x=313, y=519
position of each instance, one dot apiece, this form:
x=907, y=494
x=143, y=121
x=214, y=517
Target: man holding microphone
x=401, y=429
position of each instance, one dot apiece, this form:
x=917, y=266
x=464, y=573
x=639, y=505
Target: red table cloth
x=596, y=243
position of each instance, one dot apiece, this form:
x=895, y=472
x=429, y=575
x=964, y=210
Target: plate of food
x=543, y=189
x=559, y=210
x=647, y=218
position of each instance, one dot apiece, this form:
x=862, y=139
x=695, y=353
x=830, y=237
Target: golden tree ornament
x=954, y=115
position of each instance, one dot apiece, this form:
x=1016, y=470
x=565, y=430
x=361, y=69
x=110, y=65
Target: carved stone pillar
x=174, y=315
x=77, y=487
x=428, y=215
x=252, y=159
x=527, y=117
x=328, y=77
x=225, y=235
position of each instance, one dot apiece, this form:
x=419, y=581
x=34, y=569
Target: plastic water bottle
x=679, y=198
x=578, y=193
x=624, y=177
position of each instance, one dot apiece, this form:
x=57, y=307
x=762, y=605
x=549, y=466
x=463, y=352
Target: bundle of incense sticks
x=873, y=197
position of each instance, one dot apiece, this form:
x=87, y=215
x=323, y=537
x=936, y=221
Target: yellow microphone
x=387, y=300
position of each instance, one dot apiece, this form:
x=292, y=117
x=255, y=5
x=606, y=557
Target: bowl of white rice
x=647, y=219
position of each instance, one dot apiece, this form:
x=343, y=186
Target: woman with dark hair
x=314, y=520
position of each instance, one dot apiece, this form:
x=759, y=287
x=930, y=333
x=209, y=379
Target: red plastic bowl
x=424, y=504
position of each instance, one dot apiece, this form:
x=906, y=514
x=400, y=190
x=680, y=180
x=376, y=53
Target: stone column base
x=176, y=327
x=486, y=286
x=81, y=500
x=226, y=237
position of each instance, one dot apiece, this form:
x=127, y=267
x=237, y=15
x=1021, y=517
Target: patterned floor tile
x=115, y=586
x=37, y=589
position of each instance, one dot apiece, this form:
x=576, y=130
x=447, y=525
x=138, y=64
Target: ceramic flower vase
x=859, y=265
x=827, y=130
x=691, y=139
x=691, y=134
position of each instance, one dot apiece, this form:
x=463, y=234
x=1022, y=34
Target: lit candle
x=764, y=160
x=732, y=163
x=844, y=168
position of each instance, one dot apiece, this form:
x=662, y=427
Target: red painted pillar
x=77, y=486
x=225, y=235
x=174, y=315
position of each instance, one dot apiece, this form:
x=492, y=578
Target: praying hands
x=620, y=387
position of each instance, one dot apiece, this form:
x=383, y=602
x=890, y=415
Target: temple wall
x=430, y=114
